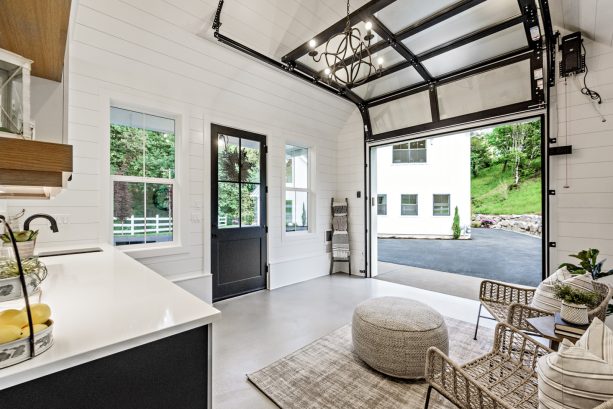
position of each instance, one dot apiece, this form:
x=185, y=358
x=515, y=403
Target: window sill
x=153, y=251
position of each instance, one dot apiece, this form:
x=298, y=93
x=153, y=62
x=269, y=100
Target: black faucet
x=26, y=224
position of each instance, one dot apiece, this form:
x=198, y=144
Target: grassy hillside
x=491, y=195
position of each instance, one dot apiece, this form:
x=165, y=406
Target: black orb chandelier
x=349, y=62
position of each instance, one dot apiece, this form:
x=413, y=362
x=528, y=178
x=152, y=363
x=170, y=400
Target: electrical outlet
x=195, y=218
x=61, y=218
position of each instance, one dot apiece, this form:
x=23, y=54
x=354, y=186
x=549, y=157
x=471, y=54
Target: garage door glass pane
x=388, y=83
x=401, y=113
x=404, y=13
x=511, y=39
x=476, y=18
x=491, y=89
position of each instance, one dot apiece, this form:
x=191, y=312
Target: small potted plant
x=26, y=240
x=575, y=303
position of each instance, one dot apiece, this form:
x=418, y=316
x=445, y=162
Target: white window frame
x=449, y=204
x=409, y=149
x=416, y=204
x=180, y=243
x=310, y=190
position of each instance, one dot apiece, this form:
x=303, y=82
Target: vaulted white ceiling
x=594, y=18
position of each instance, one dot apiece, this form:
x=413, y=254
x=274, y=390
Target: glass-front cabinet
x=14, y=94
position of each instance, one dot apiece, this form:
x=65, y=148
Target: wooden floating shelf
x=31, y=169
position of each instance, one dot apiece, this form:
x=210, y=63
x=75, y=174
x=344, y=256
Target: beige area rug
x=327, y=374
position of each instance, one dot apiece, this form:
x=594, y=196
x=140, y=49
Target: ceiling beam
x=366, y=10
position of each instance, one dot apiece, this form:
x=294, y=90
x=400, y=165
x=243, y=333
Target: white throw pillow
x=544, y=298
x=577, y=376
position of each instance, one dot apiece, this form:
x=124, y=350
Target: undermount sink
x=70, y=251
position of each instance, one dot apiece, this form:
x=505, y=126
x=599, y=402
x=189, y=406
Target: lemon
x=9, y=333
x=25, y=331
x=17, y=318
x=40, y=313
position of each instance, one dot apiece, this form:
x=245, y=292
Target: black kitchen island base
x=170, y=373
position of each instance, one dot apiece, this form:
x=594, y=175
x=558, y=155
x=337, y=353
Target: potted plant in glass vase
x=575, y=303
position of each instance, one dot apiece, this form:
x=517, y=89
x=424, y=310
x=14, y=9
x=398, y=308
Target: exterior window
x=143, y=176
x=297, y=185
x=409, y=152
x=408, y=205
x=441, y=205
x=381, y=205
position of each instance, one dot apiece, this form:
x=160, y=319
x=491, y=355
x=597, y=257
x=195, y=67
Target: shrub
x=455, y=227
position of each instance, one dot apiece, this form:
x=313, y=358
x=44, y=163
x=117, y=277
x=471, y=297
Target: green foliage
x=505, y=168
x=572, y=295
x=20, y=236
x=480, y=155
x=491, y=193
x=141, y=152
x=455, y=227
x=588, y=264
x=9, y=268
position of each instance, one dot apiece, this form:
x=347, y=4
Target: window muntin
x=408, y=205
x=297, y=185
x=382, y=205
x=410, y=152
x=142, y=167
x=238, y=182
x=441, y=205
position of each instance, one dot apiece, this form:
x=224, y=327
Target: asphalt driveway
x=491, y=253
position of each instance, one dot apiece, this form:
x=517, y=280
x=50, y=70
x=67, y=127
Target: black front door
x=238, y=212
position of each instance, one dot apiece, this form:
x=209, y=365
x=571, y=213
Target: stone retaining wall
x=522, y=223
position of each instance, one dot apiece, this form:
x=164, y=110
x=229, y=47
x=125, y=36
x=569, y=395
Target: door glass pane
x=128, y=213
x=228, y=205
x=250, y=161
x=159, y=213
x=227, y=158
x=250, y=204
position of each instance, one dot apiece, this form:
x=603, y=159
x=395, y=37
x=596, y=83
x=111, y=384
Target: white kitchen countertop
x=101, y=304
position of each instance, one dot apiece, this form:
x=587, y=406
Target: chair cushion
x=544, y=298
x=577, y=376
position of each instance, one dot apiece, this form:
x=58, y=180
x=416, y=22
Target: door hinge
x=266, y=189
x=266, y=268
x=552, y=244
x=265, y=148
x=266, y=229
x=552, y=192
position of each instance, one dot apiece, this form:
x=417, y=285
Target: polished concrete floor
x=438, y=281
x=259, y=328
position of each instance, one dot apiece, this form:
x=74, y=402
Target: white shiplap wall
x=140, y=52
x=583, y=212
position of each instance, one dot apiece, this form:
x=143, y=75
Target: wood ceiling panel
x=36, y=30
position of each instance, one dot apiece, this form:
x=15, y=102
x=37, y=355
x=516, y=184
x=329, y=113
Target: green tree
x=480, y=155
x=519, y=146
x=455, y=227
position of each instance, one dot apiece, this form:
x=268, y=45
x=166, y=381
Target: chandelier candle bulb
x=368, y=26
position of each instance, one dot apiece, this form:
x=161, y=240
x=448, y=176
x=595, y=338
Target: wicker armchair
x=510, y=303
x=503, y=378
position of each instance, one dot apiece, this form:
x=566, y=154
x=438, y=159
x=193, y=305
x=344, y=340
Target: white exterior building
x=419, y=184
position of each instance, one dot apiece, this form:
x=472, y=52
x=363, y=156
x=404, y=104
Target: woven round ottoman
x=392, y=335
